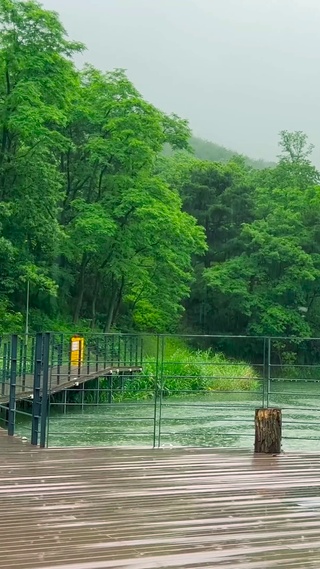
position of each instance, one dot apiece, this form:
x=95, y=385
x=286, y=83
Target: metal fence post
x=4, y=368
x=45, y=382
x=264, y=372
x=105, y=351
x=60, y=358
x=268, y=372
x=97, y=347
x=36, y=404
x=24, y=364
x=156, y=392
x=8, y=361
x=162, y=382
x=13, y=381
x=112, y=351
x=32, y=357
x=80, y=357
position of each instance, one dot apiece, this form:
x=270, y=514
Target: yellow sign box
x=77, y=350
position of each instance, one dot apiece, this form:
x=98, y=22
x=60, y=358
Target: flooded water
x=211, y=420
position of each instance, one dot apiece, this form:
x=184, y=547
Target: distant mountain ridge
x=205, y=150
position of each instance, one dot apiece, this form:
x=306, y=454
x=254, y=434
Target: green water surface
x=200, y=420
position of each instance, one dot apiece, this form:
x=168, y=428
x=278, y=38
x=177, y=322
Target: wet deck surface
x=139, y=509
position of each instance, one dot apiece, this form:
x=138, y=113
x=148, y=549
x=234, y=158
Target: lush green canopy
x=83, y=216
x=111, y=231
x=261, y=273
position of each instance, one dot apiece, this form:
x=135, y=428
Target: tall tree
x=295, y=168
x=277, y=271
x=37, y=82
x=220, y=197
x=129, y=244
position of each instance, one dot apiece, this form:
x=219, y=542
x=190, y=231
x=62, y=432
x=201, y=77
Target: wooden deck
x=65, y=377
x=138, y=509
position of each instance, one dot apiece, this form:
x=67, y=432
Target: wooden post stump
x=268, y=429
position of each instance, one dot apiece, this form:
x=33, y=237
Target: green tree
x=129, y=245
x=294, y=169
x=278, y=270
x=220, y=197
x=37, y=81
x=262, y=229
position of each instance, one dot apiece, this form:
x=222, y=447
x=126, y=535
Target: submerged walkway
x=96, y=509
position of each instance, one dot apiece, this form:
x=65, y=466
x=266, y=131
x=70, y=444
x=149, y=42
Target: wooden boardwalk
x=53, y=362
x=138, y=509
x=65, y=377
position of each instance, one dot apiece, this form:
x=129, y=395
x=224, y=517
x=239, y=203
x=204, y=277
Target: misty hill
x=205, y=150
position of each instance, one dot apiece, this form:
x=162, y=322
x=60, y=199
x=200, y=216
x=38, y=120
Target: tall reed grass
x=187, y=372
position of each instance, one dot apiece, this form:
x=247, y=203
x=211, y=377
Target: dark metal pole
x=264, y=372
x=45, y=381
x=36, y=404
x=112, y=350
x=8, y=362
x=79, y=356
x=109, y=392
x=141, y=352
x=21, y=357
x=60, y=358
x=32, y=355
x=125, y=339
x=88, y=355
x=4, y=369
x=156, y=392
x=105, y=351
x=162, y=382
x=24, y=366
x=69, y=361
x=119, y=349
x=97, y=353
x=13, y=382
x=268, y=374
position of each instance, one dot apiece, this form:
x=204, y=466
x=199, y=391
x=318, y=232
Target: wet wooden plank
x=140, y=509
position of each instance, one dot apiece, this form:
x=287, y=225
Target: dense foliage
x=261, y=272
x=83, y=217
x=107, y=228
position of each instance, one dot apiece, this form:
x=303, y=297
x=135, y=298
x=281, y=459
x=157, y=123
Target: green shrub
x=186, y=372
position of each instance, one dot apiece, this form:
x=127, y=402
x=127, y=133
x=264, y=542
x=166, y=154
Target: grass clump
x=187, y=372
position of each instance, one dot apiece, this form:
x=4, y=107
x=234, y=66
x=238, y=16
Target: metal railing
x=158, y=390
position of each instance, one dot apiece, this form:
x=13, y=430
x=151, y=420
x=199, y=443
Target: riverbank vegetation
x=185, y=372
x=109, y=232
x=173, y=369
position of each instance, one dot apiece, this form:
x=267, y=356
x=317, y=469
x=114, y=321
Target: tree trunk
x=81, y=287
x=112, y=306
x=118, y=304
x=78, y=307
x=94, y=302
x=268, y=428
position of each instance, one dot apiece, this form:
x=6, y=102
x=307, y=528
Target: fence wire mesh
x=157, y=390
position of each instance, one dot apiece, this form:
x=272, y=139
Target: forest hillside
x=99, y=228
x=206, y=150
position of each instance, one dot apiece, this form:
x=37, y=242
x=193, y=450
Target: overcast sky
x=239, y=70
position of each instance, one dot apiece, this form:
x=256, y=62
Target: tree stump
x=268, y=429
